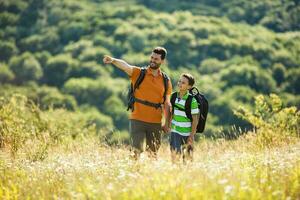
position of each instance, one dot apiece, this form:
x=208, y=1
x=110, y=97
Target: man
x=145, y=120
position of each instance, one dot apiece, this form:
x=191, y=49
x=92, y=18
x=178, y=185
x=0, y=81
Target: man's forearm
x=121, y=64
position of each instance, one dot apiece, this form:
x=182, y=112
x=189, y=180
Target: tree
x=114, y=107
x=211, y=66
x=248, y=75
x=6, y=75
x=51, y=97
x=72, y=31
x=279, y=73
x=88, y=91
x=292, y=81
x=48, y=41
x=58, y=68
x=7, y=49
x=26, y=68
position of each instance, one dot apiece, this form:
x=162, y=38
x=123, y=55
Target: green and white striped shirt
x=181, y=124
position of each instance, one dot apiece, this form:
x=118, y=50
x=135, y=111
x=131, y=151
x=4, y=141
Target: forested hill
x=277, y=15
x=51, y=51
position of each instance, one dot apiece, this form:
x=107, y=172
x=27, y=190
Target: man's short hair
x=161, y=51
x=190, y=78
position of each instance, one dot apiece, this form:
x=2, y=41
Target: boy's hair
x=161, y=51
x=190, y=78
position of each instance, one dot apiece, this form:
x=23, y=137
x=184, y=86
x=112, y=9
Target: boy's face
x=183, y=84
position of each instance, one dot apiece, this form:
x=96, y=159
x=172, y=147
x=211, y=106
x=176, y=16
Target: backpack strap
x=173, y=99
x=138, y=83
x=188, y=107
x=131, y=98
x=139, y=79
x=166, y=85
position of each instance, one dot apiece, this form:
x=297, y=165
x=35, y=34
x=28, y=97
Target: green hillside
x=63, y=119
x=51, y=52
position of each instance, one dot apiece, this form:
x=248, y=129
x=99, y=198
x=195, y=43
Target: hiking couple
x=151, y=99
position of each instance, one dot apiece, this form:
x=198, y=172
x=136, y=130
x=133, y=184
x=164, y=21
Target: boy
x=182, y=128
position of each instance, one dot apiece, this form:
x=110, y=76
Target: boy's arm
x=194, y=128
x=121, y=64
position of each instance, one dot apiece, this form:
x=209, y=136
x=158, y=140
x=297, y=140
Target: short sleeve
x=194, y=106
x=135, y=73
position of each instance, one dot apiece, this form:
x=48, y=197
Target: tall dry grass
x=83, y=167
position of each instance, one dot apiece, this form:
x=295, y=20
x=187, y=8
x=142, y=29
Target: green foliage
x=58, y=69
x=202, y=37
x=223, y=106
x=274, y=124
x=6, y=75
x=52, y=98
x=293, y=77
x=114, y=107
x=92, y=116
x=85, y=90
x=250, y=75
x=25, y=126
x=72, y=31
x=42, y=57
x=279, y=73
x=76, y=48
x=26, y=68
x=13, y=6
x=211, y=66
x=8, y=19
x=46, y=41
x=90, y=70
x=274, y=14
x=20, y=122
x=7, y=49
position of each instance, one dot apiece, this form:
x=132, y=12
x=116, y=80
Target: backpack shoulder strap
x=188, y=107
x=173, y=98
x=166, y=85
x=140, y=79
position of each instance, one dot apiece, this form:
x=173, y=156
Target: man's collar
x=151, y=70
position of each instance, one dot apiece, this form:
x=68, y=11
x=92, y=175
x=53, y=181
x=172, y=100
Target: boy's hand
x=190, y=140
x=108, y=59
x=166, y=128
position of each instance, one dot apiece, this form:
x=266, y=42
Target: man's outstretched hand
x=108, y=59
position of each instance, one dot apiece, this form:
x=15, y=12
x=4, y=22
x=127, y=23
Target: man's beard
x=155, y=66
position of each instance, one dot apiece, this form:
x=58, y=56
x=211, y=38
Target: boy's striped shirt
x=181, y=124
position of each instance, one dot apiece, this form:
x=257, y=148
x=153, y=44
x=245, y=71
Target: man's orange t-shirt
x=151, y=89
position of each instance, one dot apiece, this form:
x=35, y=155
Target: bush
x=6, y=75
x=49, y=97
x=85, y=90
x=248, y=75
x=7, y=49
x=58, y=68
x=26, y=68
x=273, y=123
x=24, y=126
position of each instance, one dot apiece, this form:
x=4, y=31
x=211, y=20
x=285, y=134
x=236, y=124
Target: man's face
x=183, y=84
x=155, y=61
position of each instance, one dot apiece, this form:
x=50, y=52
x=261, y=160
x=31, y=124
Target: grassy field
x=87, y=169
x=53, y=154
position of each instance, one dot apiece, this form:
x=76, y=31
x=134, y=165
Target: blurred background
x=51, y=52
